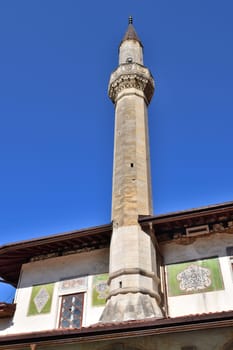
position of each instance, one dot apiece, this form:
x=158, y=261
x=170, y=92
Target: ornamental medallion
x=194, y=278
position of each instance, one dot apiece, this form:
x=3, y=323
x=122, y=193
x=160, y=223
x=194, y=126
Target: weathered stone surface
x=131, y=75
x=133, y=281
x=132, y=307
x=134, y=285
x=131, y=175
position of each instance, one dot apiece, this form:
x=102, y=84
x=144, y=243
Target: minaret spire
x=133, y=276
x=131, y=33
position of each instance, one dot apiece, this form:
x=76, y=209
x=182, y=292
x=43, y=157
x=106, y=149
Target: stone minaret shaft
x=131, y=87
x=133, y=278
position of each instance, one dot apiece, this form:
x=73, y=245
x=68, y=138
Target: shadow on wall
x=5, y=323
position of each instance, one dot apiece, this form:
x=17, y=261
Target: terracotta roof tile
x=115, y=330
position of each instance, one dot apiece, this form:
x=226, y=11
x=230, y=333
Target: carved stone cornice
x=131, y=75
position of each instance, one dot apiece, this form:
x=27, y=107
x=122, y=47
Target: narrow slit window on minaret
x=132, y=165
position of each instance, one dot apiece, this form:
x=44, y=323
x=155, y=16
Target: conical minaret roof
x=131, y=33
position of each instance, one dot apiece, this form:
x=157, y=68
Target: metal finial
x=130, y=20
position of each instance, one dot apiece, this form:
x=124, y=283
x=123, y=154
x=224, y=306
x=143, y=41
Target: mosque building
x=143, y=282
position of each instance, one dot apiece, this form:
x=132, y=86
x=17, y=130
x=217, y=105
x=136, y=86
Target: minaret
x=133, y=278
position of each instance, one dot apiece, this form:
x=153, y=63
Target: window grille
x=71, y=311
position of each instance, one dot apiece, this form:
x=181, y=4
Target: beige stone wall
x=132, y=249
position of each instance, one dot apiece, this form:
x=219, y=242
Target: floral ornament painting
x=100, y=290
x=194, y=277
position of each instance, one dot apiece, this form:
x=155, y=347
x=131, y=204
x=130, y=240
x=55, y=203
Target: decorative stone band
x=131, y=76
x=133, y=271
x=134, y=290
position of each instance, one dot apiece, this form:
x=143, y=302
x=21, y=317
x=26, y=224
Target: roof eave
x=103, y=332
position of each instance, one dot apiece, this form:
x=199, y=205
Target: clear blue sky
x=56, y=134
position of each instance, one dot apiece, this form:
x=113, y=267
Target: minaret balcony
x=131, y=75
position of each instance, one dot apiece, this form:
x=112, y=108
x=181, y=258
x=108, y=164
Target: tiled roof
x=13, y=255
x=116, y=330
x=19, y=253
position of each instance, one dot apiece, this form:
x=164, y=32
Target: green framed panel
x=192, y=277
x=100, y=289
x=41, y=299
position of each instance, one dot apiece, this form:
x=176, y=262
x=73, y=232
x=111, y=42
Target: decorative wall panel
x=41, y=299
x=72, y=285
x=100, y=289
x=198, y=276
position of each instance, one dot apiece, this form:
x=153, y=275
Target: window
x=71, y=311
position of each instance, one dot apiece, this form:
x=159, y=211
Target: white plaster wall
x=203, y=247
x=52, y=271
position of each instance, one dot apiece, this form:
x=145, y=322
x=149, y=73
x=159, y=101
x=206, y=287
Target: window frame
x=62, y=297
